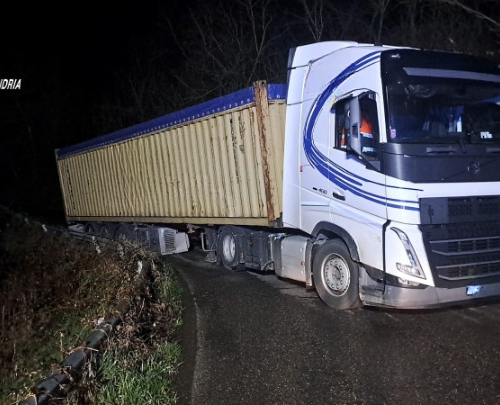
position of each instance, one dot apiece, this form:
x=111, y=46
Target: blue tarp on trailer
x=227, y=102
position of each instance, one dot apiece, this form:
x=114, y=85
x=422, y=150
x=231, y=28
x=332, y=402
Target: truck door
x=356, y=185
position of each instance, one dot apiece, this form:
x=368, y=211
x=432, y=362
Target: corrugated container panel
x=224, y=167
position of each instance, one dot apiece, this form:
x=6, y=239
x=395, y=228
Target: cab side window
x=356, y=125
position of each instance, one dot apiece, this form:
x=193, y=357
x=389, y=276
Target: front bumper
x=430, y=297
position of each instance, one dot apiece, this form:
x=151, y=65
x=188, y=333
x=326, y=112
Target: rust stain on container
x=262, y=107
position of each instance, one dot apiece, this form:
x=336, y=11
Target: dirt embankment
x=53, y=291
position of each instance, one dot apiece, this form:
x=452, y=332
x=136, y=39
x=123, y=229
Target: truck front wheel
x=336, y=276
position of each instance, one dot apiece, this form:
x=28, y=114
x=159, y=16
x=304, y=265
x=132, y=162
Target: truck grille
x=462, y=252
x=457, y=210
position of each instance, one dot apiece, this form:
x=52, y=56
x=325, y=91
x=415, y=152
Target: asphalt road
x=250, y=338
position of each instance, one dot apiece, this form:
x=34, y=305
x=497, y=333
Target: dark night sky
x=67, y=57
x=83, y=44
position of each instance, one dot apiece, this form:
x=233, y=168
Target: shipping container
x=220, y=162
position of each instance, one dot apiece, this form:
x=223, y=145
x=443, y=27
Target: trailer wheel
x=91, y=228
x=106, y=230
x=123, y=233
x=336, y=276
x=228, y=248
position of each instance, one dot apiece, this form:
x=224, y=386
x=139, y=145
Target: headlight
x=414, y=268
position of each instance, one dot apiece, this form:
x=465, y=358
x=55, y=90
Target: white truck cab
x=392, y=164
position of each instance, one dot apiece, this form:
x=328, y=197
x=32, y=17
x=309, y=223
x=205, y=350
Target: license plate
x=474, y=289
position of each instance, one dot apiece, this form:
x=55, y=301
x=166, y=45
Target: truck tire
x=91, y=228
x=123, y=233
x=228, y=248
x=106, y=230
x=336, y=276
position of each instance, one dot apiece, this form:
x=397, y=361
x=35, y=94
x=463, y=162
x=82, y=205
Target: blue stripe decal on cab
x=336, y=174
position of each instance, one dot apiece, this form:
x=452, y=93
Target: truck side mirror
x=354, y=143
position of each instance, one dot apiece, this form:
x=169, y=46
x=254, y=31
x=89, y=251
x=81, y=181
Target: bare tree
x=314, y=13
x=475, y=11
x=220, y=46
x=379, y=8
x=226, y=46
x=439, y=24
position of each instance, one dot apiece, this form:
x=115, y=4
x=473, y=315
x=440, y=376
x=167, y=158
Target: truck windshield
x=437, y=108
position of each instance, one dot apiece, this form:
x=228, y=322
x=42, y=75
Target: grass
x=53, y=290
x=133, y=378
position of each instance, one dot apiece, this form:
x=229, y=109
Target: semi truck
x=372, y=175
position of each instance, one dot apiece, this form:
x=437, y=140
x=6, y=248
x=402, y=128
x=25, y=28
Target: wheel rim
x=228, y=248
x=336, y=275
